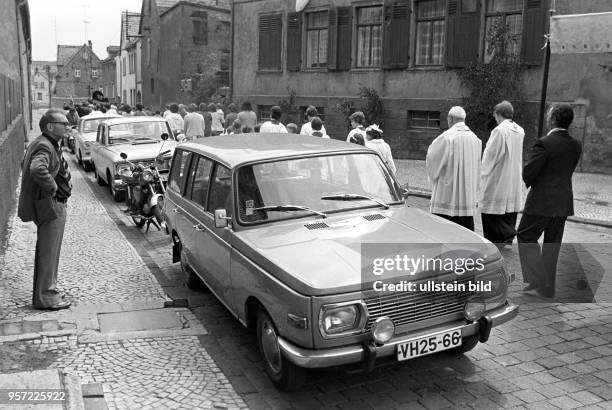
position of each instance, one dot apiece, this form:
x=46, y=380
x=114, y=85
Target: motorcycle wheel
x=139, y=221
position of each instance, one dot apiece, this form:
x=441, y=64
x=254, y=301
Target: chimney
x=89, y=44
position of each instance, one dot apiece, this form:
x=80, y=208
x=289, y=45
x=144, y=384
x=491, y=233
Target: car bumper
x=368, y=352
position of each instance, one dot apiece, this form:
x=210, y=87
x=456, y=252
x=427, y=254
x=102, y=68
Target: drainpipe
x=545, y=77
x=231, y=75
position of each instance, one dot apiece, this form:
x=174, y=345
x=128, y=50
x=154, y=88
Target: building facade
x=78, y=74
x=128, y=60
x=410, y=52
x=109, y=74
x=185, y=50
x=15, y=106
x=43, y=82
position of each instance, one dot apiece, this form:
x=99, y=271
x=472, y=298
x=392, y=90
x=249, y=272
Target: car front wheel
x=284, y=374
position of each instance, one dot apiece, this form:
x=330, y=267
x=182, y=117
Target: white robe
x=453, y=168
x=502, y=164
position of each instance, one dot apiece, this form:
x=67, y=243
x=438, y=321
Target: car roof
x=236, y=149
x=123, y=120
x=98, y=116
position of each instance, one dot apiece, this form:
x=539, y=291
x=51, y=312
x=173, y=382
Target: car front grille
x=412, y=307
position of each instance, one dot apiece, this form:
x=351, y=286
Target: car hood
x=139, y=152
x=328, y=259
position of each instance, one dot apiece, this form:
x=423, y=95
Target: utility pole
x=48, y=70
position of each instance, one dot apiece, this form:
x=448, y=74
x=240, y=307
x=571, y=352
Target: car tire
x=285, y=375
x=79, y=158
x=98, y=177
x=468, y=344
x=192, y=281
x=118, y=196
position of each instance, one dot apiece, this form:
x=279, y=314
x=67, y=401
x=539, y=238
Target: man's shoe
x=530, y=287
x=64, y=304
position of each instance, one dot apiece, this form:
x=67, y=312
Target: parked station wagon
x=278, y=227
x=140, y=138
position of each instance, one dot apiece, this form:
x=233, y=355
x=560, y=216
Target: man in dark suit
x=550, y=201
x=45, y=189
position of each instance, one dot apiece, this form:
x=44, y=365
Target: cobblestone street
x=137, y=338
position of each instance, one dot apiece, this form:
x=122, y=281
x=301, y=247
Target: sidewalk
x=592, y=192
x=122, y=341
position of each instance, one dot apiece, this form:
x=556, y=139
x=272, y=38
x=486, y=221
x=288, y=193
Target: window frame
x=431, y=116
x=306, y=44
x=77, y=73
x=431, y=20
x=355, y=43
x=187, y=167
x=520, y=11
x=211, y=185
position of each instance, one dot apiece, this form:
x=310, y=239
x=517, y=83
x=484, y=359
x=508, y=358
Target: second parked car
x=140, y=138
x=85, y=134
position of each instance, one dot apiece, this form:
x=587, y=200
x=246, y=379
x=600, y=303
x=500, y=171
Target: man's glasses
x=65, y=124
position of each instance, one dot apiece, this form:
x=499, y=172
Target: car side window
x=178, y=173
x=197, y=188
x=221, y=189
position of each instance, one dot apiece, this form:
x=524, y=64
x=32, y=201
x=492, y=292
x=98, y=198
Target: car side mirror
x=221, y=218
x=123, y=155
x=164, y=136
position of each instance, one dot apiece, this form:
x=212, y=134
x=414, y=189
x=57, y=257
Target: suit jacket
x=39, y=169
x=549, y=172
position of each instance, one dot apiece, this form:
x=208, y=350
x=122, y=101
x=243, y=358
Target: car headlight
x=87, y=144
x=124, y=169
x=492, y=284
x=147, y=175
x=338, y=319
x=474, y=309
x=383, y=330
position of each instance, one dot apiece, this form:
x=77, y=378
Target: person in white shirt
x=193, y=123
x=216, y=126
x=453, y=168
x=500, y=177
x=317, y=128
x=358, y=123
x=175, y=120
x=374, y=141
x=274, y=125
x=306, y=129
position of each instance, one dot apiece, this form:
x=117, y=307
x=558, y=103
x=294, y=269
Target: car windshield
x=133, y=132
x=92, y=125
x=315, y=185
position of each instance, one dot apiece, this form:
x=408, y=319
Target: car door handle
x=176, y=211
x=199, y=228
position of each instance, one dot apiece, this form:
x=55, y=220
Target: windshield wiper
x=353, y=197
x=289, y=208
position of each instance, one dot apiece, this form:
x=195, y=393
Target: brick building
x=185, y=50
x=78, y=73
x=15, y=108
x=409, y=51
x=108, y=67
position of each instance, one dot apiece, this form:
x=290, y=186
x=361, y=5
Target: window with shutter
x=396, y=35
x=462, y=32
x=316, y=39
x=535, y=27
x=510, y=14
x=430, y=30
x=294, y=41
x=270, y=41
x=369, y=35
x=332, y=40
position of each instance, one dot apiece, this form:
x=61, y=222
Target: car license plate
x=429, y=344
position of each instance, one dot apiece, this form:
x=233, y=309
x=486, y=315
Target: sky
x=61, y=22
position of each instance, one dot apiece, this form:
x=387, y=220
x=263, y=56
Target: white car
x=85, y=134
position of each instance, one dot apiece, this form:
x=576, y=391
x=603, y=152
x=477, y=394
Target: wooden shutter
x=294, y=41
x=332, y=40
x=345, y=37
x=534, y=27
x=396, y=35
x=462, y=35
x=270, y=41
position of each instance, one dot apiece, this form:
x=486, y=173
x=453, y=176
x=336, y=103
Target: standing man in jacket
x=453, y=168
x=45, y=189
x=501, y=181
x=550, y=201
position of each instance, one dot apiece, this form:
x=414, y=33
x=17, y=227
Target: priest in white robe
x=501, y=181
x=453, y=168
